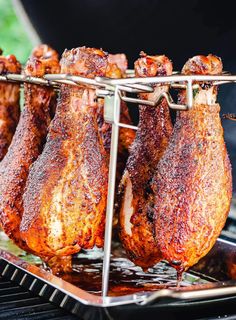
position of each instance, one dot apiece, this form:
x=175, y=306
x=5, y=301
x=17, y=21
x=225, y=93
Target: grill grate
x=18, y=303
x=27, y=292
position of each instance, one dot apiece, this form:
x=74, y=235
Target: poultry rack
x=113, y=91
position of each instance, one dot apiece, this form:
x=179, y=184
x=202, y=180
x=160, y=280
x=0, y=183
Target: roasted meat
x=27, y=142
x=9, y=103
x=192, y=185
x=116, y=68
x=154, y=130
x=65, y=197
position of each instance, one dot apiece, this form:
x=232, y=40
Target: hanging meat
x=27, y=142
x=65, y=197
x=192, y=185
x=152, y=137
x=9, y=102
x=116, y=68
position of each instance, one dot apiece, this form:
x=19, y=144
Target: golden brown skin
x=116, y=68
x=9, y=103
x=203, y=65
x=27, y=142
x=151, y=140
x=193, y=185
x=117, y=62
x=65, y=197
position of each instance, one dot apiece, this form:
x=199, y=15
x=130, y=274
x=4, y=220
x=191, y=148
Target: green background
x=13, y=38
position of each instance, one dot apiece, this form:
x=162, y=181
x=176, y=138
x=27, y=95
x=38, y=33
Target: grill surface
x=24, y=296
x=21, y=304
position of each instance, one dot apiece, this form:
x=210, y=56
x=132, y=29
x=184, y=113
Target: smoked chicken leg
x=116, y=68
x=154, y=130
x=27, y=142
x=192, y=185
x=9, y=103
x=65, y=197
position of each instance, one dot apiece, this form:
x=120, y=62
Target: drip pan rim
x=194, y=292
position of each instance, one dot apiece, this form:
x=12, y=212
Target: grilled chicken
x=192, y=185
x=9, y=103
x=65, y=197
x=154, y=130
x=27, y=142
x=116, y=68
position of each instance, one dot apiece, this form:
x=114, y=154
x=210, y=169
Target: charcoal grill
x=211, y=282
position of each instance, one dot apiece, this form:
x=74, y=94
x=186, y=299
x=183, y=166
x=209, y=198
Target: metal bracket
x=111, y=190
x=113, y=90
x=109, y=110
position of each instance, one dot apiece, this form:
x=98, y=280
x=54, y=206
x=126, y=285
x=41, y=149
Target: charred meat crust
x=150, y=142
x=43, y=60
x=117, y=65
x=9, y=64
x=192, y=187
x=203, y=65
x=151, y=66
x=65, y=198
x=193, y=184
x=9, y=103
x=26, y=145
x=116, y=68
x=85, y=62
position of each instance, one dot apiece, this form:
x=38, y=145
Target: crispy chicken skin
x=117, y=60
x=116, y=68
x=192, y=185
x=151, y=140
x=65, y=197
x=203, y=65
x=9, y=103
x=27, y=142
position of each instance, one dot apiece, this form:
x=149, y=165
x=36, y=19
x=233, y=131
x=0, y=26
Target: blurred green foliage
x=13, y=38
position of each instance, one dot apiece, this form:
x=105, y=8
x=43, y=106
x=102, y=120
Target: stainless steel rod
x=127, y=126
x=198, y=294
x=111, y=195
x=189, y=96
x=141, y=87
x=167, y=79
x=138, y=101
x=134, y=82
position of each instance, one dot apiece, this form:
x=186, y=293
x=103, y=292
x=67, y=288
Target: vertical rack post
x=189, y=94
x=115, y=111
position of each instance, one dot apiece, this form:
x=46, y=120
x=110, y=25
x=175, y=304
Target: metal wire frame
x=130, y=84
x=113, y=97
x=56, y=79
x=230, y=116
x=113, y=90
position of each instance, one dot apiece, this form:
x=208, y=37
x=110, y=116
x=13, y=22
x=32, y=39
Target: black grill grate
x=30, y=297
x=21, y=304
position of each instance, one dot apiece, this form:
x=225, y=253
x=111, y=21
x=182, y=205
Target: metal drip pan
x=212, y=280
